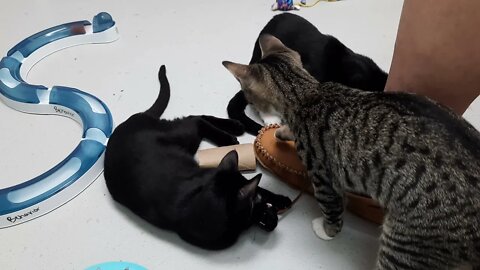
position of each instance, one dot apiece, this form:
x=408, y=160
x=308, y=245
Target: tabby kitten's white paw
x=270, y=118
x=284, y=134
x=317, y=225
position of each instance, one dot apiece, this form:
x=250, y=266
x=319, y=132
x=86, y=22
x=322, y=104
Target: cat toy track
x=71, y=176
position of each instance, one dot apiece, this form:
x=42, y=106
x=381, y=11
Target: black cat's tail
x=161, y=103
x=236, y=110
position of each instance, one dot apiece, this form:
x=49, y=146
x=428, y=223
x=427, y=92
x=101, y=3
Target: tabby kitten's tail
x=161, y=103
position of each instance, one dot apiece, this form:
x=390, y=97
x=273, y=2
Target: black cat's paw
x=228, y=140
x=235, y=141
x=234, y=127
x=267, y=219
x=281, y=202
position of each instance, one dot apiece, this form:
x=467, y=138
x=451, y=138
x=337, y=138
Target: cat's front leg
x=284, y=133
x=216, y=135
x=231, y=126
x=331, y=203
x=270, y=117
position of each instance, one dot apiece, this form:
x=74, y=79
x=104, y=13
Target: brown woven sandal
x=281, y=159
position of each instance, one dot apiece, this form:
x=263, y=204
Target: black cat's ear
x=269, y=44
x=229, y=161
x=238, y=70
x=249, y=189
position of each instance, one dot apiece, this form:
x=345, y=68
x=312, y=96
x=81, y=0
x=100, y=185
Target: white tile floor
x=192, y=39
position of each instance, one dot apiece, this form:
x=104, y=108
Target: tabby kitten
x=323, y=56
x=150, y=169
x=418, y=159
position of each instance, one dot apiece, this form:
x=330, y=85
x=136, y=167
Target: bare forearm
x=437, y=52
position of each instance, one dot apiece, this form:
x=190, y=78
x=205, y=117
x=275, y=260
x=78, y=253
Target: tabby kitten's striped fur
x=419, y=160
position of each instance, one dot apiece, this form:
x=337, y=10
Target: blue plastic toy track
x=64, y=181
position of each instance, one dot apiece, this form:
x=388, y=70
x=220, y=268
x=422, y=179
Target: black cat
x=150, y=169
x=323, y=56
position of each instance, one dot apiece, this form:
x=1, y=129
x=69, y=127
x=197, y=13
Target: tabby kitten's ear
x=269, y=44
x=229, y=161
x=249, y=189
x=238, y=70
